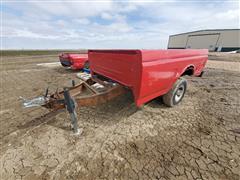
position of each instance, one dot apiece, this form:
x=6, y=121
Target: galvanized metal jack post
x=70, y=105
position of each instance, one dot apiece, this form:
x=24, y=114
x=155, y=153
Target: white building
x=214, y=40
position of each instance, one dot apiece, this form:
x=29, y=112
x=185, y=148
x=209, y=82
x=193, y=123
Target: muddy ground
x=198, y=139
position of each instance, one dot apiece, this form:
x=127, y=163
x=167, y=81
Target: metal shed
x=214, y=40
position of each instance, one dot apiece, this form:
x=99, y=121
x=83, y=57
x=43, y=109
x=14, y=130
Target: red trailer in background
x=73, y=60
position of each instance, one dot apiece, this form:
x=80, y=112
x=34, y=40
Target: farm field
x=198, y=139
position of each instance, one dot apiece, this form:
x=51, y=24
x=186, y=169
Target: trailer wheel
x=64, y=65
x=176, y=94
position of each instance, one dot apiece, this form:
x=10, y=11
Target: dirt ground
x=198, y=139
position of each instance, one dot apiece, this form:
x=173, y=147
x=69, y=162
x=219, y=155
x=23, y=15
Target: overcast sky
x=109, y=24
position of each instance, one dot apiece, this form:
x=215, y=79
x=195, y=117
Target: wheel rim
x=179, y=93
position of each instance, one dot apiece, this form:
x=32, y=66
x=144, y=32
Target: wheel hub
x=179, y=93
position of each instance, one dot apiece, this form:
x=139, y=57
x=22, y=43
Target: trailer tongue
x=90, y=92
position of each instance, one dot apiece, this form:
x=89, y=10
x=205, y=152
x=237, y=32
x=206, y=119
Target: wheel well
x=189, y=71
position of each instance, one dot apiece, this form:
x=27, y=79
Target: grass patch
x=37, y=52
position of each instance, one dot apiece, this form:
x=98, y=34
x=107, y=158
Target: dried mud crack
x=198, y=139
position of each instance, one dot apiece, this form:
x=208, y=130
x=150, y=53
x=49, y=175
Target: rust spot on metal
x=85, y=95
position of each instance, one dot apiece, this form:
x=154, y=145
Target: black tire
x=176, y=94
x=201, y=74
x=64, y=65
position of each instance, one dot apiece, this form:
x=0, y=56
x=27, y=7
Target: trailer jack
x=70, y=106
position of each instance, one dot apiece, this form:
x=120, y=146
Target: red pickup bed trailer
x=147, y=73
x=74, y=60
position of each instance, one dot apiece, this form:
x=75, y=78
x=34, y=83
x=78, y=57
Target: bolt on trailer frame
x=91, y=92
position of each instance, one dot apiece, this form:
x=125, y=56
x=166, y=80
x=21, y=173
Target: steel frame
x=80, y=95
